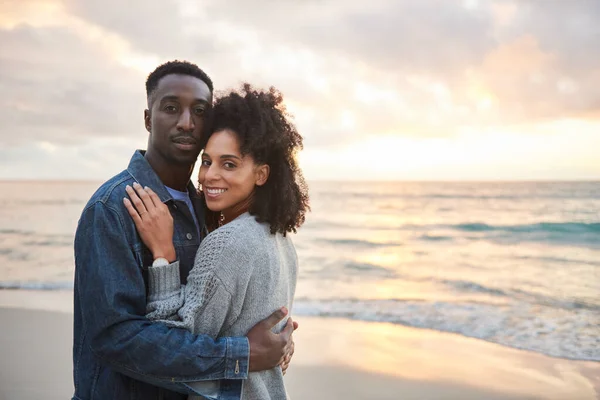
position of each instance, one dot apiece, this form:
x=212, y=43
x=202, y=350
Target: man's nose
x=186, y=122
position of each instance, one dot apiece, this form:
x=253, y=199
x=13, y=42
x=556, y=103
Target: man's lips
x=185, y=142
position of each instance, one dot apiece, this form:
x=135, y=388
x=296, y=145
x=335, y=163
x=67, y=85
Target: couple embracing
x=183, y=293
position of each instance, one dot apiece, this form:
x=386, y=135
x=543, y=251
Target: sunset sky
x=380, y=90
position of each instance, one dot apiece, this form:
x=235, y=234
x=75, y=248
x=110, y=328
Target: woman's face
x=228, y=179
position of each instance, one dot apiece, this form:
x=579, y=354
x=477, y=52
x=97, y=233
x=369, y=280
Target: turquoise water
x=512, y=263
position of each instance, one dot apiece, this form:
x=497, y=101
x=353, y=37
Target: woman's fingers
x=148, y=203
x=153, y=196
x=137, y=202
x=132, y=211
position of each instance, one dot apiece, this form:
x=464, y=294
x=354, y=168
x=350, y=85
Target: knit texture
x=242, y=274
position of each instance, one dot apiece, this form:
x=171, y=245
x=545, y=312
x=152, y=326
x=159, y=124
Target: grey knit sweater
x=242, y=274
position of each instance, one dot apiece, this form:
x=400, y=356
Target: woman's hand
x=153, y=221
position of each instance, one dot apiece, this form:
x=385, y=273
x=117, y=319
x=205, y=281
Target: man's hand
x=288, y=357
x=267, y=349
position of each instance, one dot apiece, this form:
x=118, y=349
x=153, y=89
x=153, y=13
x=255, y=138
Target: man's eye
x=170, y=108
x=199, y=111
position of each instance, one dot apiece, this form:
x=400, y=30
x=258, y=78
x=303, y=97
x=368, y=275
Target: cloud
x=73, y=71
x=63, y=89
x=431, y=37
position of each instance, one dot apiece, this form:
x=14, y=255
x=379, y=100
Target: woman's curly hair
x=262, y=125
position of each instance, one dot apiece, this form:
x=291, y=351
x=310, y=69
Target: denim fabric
x=118, y=353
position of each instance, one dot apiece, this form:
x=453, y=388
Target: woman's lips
x=213, y=193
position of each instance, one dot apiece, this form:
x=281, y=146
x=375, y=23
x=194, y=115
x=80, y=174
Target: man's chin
x=185, y=159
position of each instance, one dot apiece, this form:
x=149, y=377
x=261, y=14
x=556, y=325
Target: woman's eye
x=229, y=165
x=205, y=163
x=199, y=111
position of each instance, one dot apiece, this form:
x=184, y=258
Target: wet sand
x=335, y=359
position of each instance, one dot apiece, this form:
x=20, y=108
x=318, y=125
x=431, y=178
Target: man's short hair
x=175, y=67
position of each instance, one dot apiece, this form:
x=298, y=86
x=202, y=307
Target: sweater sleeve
x=205, y=303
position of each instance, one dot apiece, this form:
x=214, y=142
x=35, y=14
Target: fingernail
x=146, y=188
x=136, y=184
x=127, y=187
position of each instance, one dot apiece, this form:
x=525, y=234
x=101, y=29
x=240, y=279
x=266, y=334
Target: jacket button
x=189, y=236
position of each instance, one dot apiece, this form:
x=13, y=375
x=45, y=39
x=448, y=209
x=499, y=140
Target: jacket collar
x=142, y=173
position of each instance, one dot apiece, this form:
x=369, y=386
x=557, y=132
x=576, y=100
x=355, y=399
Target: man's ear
x=147, y=119
x=262, y=174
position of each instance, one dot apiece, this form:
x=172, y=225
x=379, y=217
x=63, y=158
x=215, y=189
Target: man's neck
x=172, y=175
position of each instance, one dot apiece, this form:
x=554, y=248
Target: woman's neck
x=235, y=211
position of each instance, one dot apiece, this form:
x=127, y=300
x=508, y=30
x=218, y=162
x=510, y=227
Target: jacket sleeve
x=206, y=303
x=110, y=289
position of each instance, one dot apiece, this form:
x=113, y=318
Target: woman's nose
x=212, y=174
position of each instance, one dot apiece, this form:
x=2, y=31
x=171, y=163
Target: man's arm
x=112, y=295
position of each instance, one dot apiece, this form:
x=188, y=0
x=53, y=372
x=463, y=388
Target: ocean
x=516, y=264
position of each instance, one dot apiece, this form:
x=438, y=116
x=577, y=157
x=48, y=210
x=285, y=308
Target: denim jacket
x=118, y=354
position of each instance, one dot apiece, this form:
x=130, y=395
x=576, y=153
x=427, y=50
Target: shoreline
x=61, y=300
x=334, y=358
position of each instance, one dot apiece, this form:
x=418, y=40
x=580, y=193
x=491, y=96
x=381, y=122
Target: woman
x=246, y=267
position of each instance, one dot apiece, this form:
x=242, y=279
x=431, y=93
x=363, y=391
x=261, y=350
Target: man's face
x=176, y=120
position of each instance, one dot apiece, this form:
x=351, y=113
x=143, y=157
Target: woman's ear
x=262, y=174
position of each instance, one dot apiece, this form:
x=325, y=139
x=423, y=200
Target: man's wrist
x=237, y=357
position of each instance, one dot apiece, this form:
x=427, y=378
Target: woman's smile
x=213, y=192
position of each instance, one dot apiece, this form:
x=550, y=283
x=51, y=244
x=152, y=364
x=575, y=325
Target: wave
x=559, y=333
x=550, y=227
x=16, y=232
x=46, y=202
x=36, y=285
x=368, y=269
x=472, y=287
x=360, y=243
x=22, y=232
x=466, y=195
x=558, y=260
x=350, y=270
x=573, y=233
x=322, y=268
x=435, y=238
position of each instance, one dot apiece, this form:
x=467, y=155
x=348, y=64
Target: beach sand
x=335, y=359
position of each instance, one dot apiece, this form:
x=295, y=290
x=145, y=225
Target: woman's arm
x=203, y=305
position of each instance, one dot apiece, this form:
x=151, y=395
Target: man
x=117, y=352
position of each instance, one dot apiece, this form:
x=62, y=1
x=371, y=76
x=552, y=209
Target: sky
x=380, y=90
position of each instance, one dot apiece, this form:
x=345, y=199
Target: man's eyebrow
x=175, y=98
